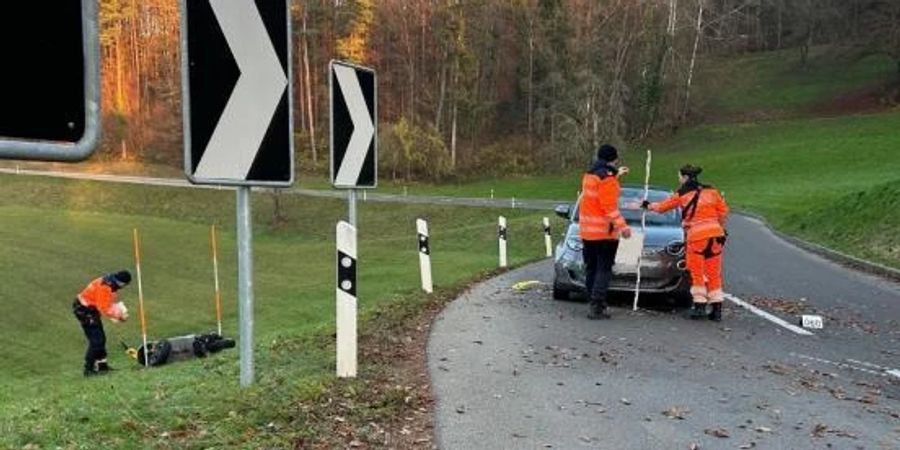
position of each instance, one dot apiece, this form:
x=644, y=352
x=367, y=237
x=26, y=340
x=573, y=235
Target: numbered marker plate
x=812, y=322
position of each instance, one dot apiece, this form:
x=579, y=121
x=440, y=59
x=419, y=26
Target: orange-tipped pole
x=137, y=261
x=215, y=258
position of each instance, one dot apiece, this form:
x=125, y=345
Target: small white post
x=365, y=197
x=405, y=191
x=513, y=203
x=424, y=255
x=502, y=236
x=548, y=239
x=492, y=194
x=346, y=300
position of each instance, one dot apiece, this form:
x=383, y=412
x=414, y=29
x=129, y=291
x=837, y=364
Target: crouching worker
x=703, y=212
x=600, y=225
x=98, y=299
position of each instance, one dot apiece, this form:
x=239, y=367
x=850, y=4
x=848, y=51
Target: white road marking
x=853, y=364
x=770, y=317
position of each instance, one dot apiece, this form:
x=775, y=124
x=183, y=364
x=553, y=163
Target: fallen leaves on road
x=625, y=401
x=786, y=306
x=819, y=430
x=717, y=432
x=693, y=446
x=748, y=445
x=676, y=412
x=526, y=285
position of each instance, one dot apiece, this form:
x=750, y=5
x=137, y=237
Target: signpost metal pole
x=351, y=203
x=245, y=284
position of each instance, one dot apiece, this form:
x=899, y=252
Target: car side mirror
x=563, y=211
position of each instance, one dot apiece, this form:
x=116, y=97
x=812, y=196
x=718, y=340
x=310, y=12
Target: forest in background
x=485, y=87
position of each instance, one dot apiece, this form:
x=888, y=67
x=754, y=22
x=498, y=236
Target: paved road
x=517, y=370
x=323, y=193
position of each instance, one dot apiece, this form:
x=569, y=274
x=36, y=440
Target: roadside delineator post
x=548, y=239
x=424, y=255
x=502, y=237
x=346, y=294
x=137, y=262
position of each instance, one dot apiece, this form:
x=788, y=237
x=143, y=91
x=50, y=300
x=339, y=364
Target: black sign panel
x=237, y=92
x=49, y=82
x=354, y=130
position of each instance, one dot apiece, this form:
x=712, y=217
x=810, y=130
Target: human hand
x=623, y=171
x=645, y=204
x=626, y=233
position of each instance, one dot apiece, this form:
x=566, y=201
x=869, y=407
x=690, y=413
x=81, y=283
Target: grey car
x=663, y=269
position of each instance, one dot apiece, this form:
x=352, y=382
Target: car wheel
x=559, y=293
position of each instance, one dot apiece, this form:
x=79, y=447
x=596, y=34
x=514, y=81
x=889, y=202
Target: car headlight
x=574, y=243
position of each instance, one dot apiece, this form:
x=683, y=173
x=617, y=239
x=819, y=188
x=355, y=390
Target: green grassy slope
x=795, y=172
x=57, y=235
x=776, y=84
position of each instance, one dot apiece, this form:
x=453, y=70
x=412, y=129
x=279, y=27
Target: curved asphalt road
x=517, y=370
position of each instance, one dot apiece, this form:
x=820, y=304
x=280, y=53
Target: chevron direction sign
x=236, y=79
x=354, y=126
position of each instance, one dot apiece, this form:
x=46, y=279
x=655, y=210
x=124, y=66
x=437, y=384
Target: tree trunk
x=690, y=79
x=455, y=118
x=439, y=114
x=780, y=28
x=530, y=81
x=309, y=99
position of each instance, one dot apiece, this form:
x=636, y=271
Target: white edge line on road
x=854, y=365
x=770, y=317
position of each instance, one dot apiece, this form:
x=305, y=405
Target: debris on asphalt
x=750, y=444
x=526, y=285
x=717, y=432
x=676, y=412
x=625, y=401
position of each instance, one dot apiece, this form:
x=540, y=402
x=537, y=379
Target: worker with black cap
x=703, y=215
x=600, y=225
x=98, y=299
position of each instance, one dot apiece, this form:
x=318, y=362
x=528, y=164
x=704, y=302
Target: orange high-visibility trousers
x=704, y=262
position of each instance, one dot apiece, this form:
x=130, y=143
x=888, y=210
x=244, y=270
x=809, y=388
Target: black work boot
x=597, y=310
x=716, y=313
x=698, y=311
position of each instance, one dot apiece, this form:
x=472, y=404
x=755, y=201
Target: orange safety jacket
x=600, y=218
x=703, y=217
x=99, y=294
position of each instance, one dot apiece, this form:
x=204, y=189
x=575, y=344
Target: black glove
x=645, y=204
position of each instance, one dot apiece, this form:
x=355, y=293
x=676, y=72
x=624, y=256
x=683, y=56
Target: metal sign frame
x=331, y=88
x=186, y=107
x=28, y=149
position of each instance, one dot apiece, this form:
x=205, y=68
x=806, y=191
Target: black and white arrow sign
x=236, y=77
x=354, y=119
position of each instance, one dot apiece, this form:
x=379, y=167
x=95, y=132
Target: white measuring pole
x=548, y=239
x=346, y=300
x=501, y=238
x=424, y=255
x=637, y=287
x=137, y=261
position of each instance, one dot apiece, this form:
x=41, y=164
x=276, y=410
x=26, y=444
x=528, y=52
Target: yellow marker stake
x=137, y=260
x=215, y=257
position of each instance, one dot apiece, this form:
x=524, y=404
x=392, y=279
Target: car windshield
x=631, y=197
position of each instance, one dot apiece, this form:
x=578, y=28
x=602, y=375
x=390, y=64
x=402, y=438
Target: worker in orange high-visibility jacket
x=98, y=299
x=600, y=225
x=704, y=213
